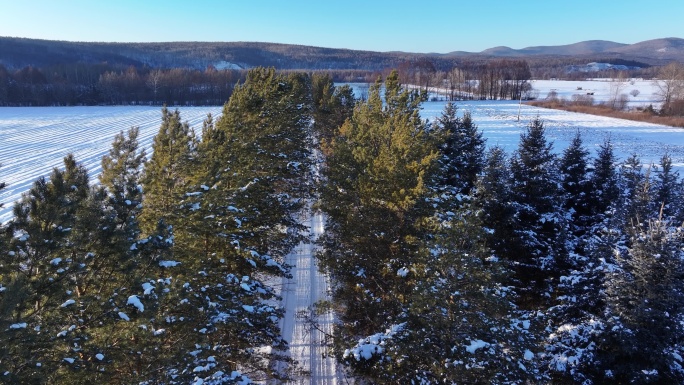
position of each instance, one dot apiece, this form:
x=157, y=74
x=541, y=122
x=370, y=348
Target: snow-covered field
x=600, y=89
x=33, y=140
x=499, y=122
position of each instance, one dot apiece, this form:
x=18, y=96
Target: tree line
x=450, y=261
x=471, y=80
x=81, y=84
x=117, y=84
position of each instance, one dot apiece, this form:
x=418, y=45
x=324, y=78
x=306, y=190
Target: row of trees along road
x=451, y=262
x=163, y=273
x=454, y=263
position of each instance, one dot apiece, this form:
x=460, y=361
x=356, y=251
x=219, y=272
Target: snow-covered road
x=307, y=287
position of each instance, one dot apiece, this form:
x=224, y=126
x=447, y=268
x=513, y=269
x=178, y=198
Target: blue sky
x=377, y=25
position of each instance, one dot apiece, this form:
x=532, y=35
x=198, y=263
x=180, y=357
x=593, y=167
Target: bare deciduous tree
x=616, y=99
x=670, y=86
x=154, y=82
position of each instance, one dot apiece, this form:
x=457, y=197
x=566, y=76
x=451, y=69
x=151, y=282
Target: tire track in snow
x=308, y=286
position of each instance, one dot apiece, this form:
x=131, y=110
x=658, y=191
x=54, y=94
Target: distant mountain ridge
x=582, y=48
x=20, y=52
x=659, y=49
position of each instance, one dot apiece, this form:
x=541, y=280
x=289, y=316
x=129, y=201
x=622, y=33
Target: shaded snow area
x=34, y=140
x=307, y=287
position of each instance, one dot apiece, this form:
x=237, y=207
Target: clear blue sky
x=377, y=25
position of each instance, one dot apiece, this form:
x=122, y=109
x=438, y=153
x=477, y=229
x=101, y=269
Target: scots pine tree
x=235, y=221
x=165, y=174
x=380, y=172
x=122, y=178
x=331, y=107
x=38, y=269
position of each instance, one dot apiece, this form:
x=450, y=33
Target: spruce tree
x=493, y=202
x=462, y=150
x=539, y=250
x=642, y=341
x=576, y=184
x=635, y=193
x=604, y=181
x=668, y=191
x=459, y=325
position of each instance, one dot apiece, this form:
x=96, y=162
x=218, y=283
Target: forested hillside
x=451, y=261
x=61, y=73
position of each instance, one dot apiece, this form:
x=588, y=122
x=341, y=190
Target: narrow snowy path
x=306, y=287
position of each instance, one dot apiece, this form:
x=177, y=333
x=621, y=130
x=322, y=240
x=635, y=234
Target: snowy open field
x=33, y=140
x=600, y=88
x=499, y=122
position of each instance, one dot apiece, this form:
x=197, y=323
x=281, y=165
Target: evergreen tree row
x=167, y=271
x=453, y=263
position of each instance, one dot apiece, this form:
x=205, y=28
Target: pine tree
x=121, y=176
x=38, y=270
x=380, y=173
x=165, y=174
x=117, y=279
x=77, y=278
x=234, y=224
x=331, y=107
